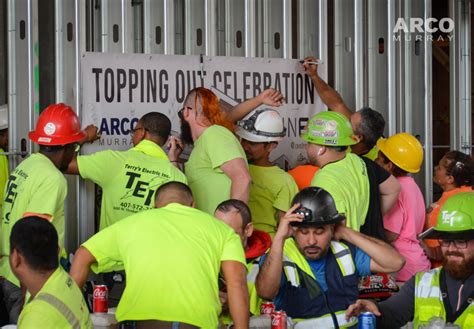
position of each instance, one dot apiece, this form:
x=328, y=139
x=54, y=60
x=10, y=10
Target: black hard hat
x=317, y=206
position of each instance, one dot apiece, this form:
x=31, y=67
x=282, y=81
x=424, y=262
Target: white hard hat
x=261, y=126
x=3, y=116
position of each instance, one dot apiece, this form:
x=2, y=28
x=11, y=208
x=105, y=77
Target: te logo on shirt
x=138, y=187
x=10, y=195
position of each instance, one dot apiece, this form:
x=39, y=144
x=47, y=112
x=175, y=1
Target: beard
x=459, y=270
x=315, y=254
x=186, y=135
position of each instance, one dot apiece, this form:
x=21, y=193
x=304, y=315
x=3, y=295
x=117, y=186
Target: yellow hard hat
x=404, y=150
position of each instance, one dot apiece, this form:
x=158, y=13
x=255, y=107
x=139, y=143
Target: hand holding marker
x=315, y=62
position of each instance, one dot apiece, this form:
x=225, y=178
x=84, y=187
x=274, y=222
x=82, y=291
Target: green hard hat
x=329, y=128
x=456, y=218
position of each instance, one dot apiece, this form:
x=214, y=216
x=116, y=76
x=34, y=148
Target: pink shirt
x=407, y=219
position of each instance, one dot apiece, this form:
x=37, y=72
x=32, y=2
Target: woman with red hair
x=217, y=167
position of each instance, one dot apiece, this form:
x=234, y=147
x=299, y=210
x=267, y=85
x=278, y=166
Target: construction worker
x=3, y=148
x=454, y=174
x=441, y=295
x=54, y=301
x=237, y=215
x=172, y=257
x=217, y=168
x=37, y=186
x=130, y=178
x=401, y=155
x=367, y=124
x=272, y=189
x=314, y=264
x=344, y=175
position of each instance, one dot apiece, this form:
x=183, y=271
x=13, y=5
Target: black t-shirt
x=373, y=225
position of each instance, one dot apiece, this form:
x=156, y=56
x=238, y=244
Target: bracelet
x=174, y=161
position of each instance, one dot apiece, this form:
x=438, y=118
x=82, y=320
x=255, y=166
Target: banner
x=117, y=89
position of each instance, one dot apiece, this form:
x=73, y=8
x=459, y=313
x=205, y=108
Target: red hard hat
x=58, y=124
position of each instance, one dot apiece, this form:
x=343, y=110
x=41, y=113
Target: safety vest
x=305, y=301
x=429, y=301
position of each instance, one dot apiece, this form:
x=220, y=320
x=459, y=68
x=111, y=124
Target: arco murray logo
x=420, y=29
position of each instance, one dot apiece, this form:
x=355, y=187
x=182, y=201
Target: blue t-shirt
x=361, y=260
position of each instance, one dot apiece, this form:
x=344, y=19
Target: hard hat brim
x=345, y=141
x=242, y=133
x=451, y=235
x=336, y=219
x=53, y=141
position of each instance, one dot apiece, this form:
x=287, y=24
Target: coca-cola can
x=267, y=308
x=279, y=320
x=100, y=303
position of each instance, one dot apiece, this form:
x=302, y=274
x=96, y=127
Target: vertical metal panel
x=391, y=49
x=154, y=26
x=179, y=18
x=460, y=76
x=210, y=27
x=3, y=53
x=22, y=59
x=195, y=27
x=310, y=29
x=137, y=25
x=235, y=21
x=169, y=26
x=93, y=20
x=65, y=37
x=250, y=29
x=428, y=112
x=462, y=35
x=323, y=31
x=222, y=20
x=117, y=26
x=378, y=37
x=454, y=82
x=287, y=29
x=273, y=28
x=359, y=54
x=344, y=69
x=312, y=32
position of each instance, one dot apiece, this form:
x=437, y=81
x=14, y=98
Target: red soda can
x=279, y=320
x=267, y=308
x=100, y=303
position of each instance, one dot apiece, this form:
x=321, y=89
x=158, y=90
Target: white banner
x=117, y=89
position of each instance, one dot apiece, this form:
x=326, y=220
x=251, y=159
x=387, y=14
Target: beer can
x=279, y=320
x=100, y=303
x=267, y=308
x=366, y=320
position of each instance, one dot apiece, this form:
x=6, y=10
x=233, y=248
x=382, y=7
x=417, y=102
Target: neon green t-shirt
x=210, y=185
x=129, y=179
x=272, y=189
x=3, y=175
x=172, y=257
x=347, y=182
x=35, y=186
x=372, y=154
x=59, y=304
